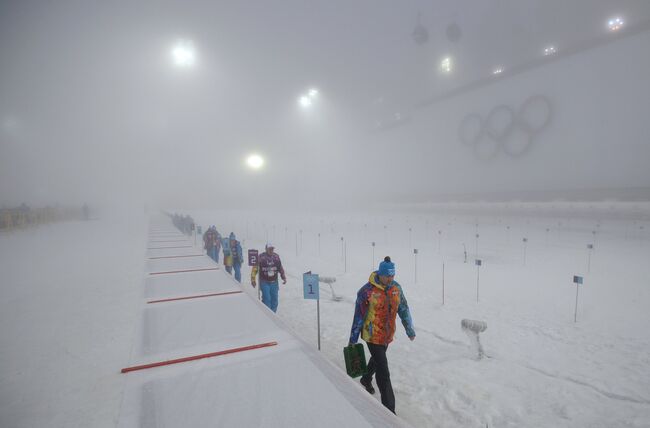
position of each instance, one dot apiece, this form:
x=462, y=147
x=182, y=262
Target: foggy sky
x=92, y=108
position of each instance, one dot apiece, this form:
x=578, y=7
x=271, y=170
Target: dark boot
x=367, y=384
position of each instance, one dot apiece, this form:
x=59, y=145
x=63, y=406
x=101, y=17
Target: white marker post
x=478, y=264
x=310, y=290
x=372, y=261
x=476, y=254
x=415, y=258
x=443, y=283
x=525, y=241
x=590, y=247
x=577, y=280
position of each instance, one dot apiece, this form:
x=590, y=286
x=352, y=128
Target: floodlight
x=549, y=50
x=446, y=65
x=615, y=24
x=255, y=161
x=305, y=101
x=183, y=54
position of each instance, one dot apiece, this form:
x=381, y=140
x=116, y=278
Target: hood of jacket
x=374, y=281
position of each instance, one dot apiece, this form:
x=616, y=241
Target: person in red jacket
x=268, y=266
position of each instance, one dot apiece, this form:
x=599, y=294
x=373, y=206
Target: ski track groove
x=608, y=394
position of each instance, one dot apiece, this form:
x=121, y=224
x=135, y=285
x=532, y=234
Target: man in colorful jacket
x=268, y=266
x=378, y=304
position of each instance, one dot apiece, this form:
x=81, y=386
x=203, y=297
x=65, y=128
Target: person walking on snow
x=378, y=304
x=268, y=266
x=227, y=257
x=236, y=255
x=210, y=243
x=217, y=243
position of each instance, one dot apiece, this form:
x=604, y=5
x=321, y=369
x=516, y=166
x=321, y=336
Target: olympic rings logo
x=505, y=130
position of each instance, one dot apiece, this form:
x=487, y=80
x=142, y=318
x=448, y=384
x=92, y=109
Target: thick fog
x=94, y=109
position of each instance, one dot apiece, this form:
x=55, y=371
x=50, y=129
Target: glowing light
x=183, y=54
x=255, y=161
x=305, y=101
x=313, y=93
x=497, y=70
x=446, y=65
x=615, y=23
x=549, y=50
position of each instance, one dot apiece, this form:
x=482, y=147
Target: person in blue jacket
x=236, y=254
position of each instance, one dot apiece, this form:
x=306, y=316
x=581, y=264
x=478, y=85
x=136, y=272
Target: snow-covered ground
x=71, y=324
x=71, y=305
x=69, y=296
x=542, y=368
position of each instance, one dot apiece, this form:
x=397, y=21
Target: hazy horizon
x=94, y=109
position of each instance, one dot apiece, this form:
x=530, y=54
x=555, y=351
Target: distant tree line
x=25, y=216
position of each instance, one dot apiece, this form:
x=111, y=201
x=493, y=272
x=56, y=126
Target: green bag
x=355, y=360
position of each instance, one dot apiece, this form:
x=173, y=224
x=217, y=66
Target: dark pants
x=378, y=365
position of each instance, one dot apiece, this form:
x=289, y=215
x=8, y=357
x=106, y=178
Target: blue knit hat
x=232, y=235
x=386, y=268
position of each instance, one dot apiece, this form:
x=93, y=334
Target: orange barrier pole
x=197, y=357
x=181, y=271
x=194, y=297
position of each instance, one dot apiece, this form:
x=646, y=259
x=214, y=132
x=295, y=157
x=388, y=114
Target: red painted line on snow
x=162, y=248
x=198, y=357
x=181, y=271
x=174, y=257
x=195, y=297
